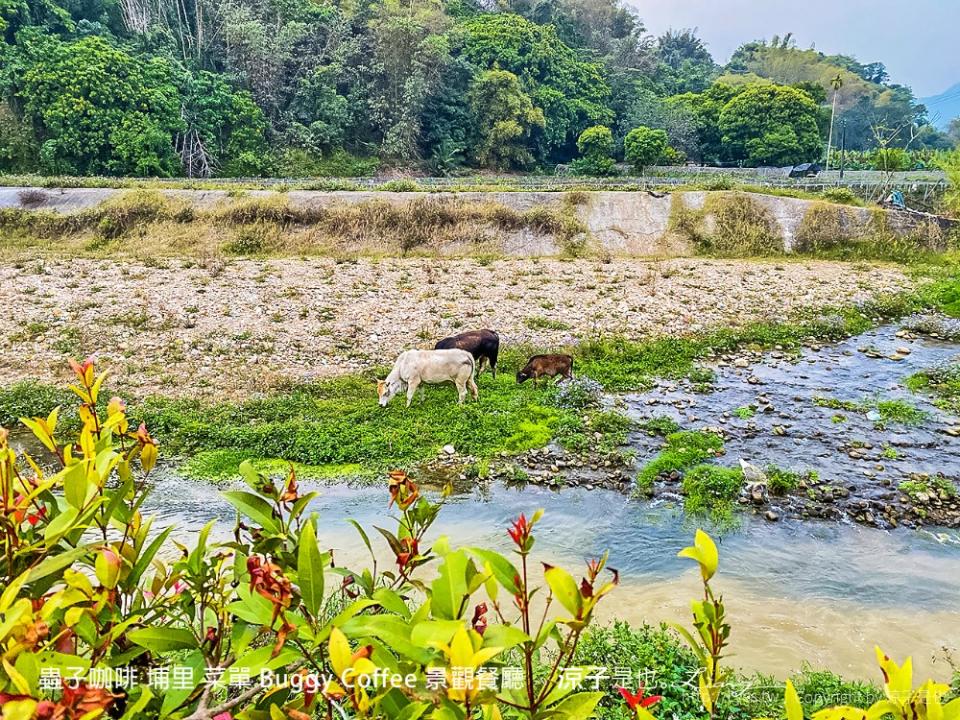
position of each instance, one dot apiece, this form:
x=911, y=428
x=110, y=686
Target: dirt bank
x=230, y=330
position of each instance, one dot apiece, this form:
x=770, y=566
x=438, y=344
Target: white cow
x=432, y=367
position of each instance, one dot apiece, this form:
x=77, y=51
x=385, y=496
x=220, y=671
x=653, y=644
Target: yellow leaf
x=148, y=457
x=704, y=552
x=19, y=709
x=340, y=654
x=461, y=650
x=705, y=697
x=791, y=702
x=18, y=680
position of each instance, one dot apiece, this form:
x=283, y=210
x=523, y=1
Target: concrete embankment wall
x=618, y=223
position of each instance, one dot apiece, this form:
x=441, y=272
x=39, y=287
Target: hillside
x=944, y=107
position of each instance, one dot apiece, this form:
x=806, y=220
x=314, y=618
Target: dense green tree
x=771, y=125
x=677, y=119
x=504, y=118
x=571, y=92
x=97, y=109
x=311, y=86
x=705, y=108
x=643, y=147
x=686, y=64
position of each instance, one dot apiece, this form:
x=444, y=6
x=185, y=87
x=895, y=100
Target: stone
x=449, y=449
x=771, y=516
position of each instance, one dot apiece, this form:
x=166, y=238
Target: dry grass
x=729, y=225
x=271, y=225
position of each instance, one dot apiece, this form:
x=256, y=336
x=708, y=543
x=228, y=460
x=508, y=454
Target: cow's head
x=522, y=377
x=386, y=391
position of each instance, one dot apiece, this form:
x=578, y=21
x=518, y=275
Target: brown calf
x=540, y=366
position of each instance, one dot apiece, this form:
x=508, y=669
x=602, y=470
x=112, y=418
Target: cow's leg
x=461, y=391
x=473, y=387
x=412, y=389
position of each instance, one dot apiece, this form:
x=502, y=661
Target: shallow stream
x=797, y=590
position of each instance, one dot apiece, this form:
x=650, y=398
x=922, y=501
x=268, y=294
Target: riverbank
x=238, y=328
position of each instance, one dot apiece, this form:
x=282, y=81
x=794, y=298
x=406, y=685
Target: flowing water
x=796, y=591
x=823, y=592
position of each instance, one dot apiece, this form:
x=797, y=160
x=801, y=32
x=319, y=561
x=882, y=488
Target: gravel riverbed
x=229, y=329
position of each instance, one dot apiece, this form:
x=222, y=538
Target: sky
x=916, y=39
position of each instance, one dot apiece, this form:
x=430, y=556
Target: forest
x=285, y=88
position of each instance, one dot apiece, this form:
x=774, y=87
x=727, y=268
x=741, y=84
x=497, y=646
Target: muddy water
x=796, y=591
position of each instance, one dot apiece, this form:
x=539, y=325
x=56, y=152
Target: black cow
x=482, y=344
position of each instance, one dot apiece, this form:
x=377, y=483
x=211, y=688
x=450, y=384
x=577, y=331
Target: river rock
x=772, y=516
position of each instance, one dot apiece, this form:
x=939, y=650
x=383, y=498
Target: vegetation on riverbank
x=738, y=224
x=335, y=424
x=268, y=600
x=166, y=225
x=942, y=384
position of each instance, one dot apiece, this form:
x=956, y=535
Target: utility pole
x=837, y=83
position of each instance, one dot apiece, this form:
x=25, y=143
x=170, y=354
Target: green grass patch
x=660, y=425
x=712, y=490
x=682, y=451
x=925, y=488
x=890, y=411
x=29, y=398
x=338, y=422
x=225, y=465
x=942, y=384
x=781, y=481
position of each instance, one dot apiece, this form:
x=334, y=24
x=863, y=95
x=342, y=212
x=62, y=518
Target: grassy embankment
x=336, y=427
x=149, y=224
x=146, y=223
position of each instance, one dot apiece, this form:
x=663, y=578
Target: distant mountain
x=944, y=107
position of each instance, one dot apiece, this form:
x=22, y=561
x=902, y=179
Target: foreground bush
x=101, y=614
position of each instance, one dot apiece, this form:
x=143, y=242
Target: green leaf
x=75, y=485
x=434, y=632
x=310, y=570
x=143, y=562
x=451, y=586
x=55, y=563
x=393, y=631
x=503, y=569
x=577, y=707
x=163, y=639
x=255, y=508
x=564, y=589
x=504, y=636
x=60, y=526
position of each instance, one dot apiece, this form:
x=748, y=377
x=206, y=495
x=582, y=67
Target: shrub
x=90, y=588
x=643, y=147
x=841, y=196
x=742, y=227
x=267, y=601
x=32, y=198
x=596, y=148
